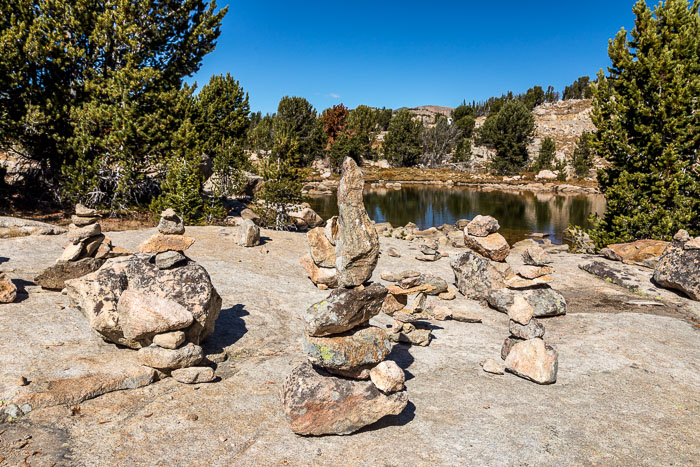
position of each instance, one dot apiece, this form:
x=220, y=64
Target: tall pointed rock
x=357, y=246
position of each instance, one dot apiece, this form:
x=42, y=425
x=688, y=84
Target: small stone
x=8, y=290
x=410, y=282
x=143, y=314
x=92, y=244
x=193, y=375
x=169, y=340
x=165, y=359
x=529, y=331
x=170, y=223
x=493, y=246
x=161, y=242
x=533, y=272
x=534, y=255
x=397, y=277
x=82, y=221
x=22, y=381
x=71, y=253
x=692, y=244
x=320, y=247
x=449, y=295
x=393, y=252
x=420, y=337
x=169, y=259
x=493, y=366
x=681, y=236
x=437, y=285
x=394, y=303
x=388, y=376
x=418, y=304
x=482, y=226
x=249, y=234
x=464, y=317
x=408, y=327
x=517, y=282
x=83, y=211
x=325, y=276
x=25, y=408
x=475, y=276
x=343, y=310
x=429, y=258
x=331, y=230
x=78, y=234
x=533, y=360
x=426, y=250
x=12, y=411
x=441, y=313
x=521, y=311
x=192, y=417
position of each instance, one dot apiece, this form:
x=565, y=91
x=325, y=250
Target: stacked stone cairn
x=430, y=251
x=320, y=263
x=158, y=301
x=87, y=251
x=346, y=383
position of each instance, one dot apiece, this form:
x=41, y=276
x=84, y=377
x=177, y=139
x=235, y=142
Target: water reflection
x=519, y=213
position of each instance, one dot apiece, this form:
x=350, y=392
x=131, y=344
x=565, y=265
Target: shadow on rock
x=403, y=358
x=229, y=328
x=405, y=417
x=22, y=293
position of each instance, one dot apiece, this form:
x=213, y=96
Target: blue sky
x=404, y=53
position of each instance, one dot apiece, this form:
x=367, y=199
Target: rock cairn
x=319, y=264
x=346, y=383
x=87, y=251
x=158, y=301
x=430, y=251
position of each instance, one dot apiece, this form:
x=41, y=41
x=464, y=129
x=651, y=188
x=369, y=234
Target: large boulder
x=351, y=351
x=637, y=252
x=679, y=268
x=482, y=226
x=357, y=245
x=321, y=249
x=534, y=360
x=475, y=276
x=316, y=403
x=545, y=301
x=344, y=309
x=493, y=246
x=189, y=285
x=54, y=277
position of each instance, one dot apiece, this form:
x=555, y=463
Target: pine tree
x=582, y=160
x=647, y=114
x=362, y=123
x=297, y=119
x=508, y=131
x=402, y=144
x=546, y=155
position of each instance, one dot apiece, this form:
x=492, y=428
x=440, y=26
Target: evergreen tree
x=580, y=89
x=508, y=132
x=560, y=169
x=439, y=141
x=297, y=119
x=546, y=155
x=402, y=144
x=647, y=115
x=582, y=160
x=362, y=123
x=347, y=144
x=261, y=137
x=463, y=117
x=383, y=118
x=534, y=97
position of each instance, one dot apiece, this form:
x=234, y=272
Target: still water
x=519, y=213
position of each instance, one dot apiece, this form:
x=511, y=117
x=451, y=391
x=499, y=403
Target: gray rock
x=321, y=249
x=475, y=277
x=535, y=256
x=71, y=253
x=91, y=244
x=393, y=252
x=97, y=295
x=437, y=285
x=481, y=226
x=426, y=250
x=508, y=344
x=493, y=246
x=170, y=223
x=343, y=310
x=83, y=211
x=12, y=411
x=316, y=403
x=13, y=226
x=417, y=336
x=679, y=269
x=78, y=234
x=249, y=234
x=357, y=246
x=25, y=408
x=529, y=331
x=545, y=301
x=166, y=359
x=80, y=221
x=169, y=259
x=193, y=375
x=54, y=277
x=352, y=350
x=397, y=277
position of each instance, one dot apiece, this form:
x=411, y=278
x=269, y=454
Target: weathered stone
x=418, y=304
x=426, y=250
x=437, y=285
x=681, y=236
x=170, y=223
x=356, y=373
x=169, y=259
x=429, y=258
x=461, y=224
x=249, y=234
x=8, y=290
x=91, y=244
x=679, y=269
x=448, y=295
x=409, y=282
x=53, y=277
x=343, y=310
x=482, y=226
x=193, y=375
x=351, y=350
x=464, y=317
x=307, y=216
x=533, y=360
x=388, y=376
x=169, y=340
x=331, y=231
x=71, y=253
x=79, y=221
x=83, y=211
x=635, y=252
x=321, y=249
x=493, y=366
x=493, y=246
x=692, y=244
x=545, y=301
x=357, y=246
x=319, y=276
x=317, y=404
x=475, y=276
x=536, y=256
x=160, y=242
x=420, y=337
x=166, y=359
x=533, y=272
x=521, y=311
x=397, y=277
x=142, y=315
x=394, y=303
x=517, y=282
x=529, y=331
x=545, y=175
x=393, y=252
x=189, y=285
x=78, y=234
x=441, y=313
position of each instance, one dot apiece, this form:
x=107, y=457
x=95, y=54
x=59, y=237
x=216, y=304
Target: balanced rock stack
x=158, y=301
x=482, y=270
x=320, y=262
x=331, y=394
x=429, y=251
x=524, y=351
x=87, y=251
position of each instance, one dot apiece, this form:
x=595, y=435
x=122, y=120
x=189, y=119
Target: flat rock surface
x=626, y=390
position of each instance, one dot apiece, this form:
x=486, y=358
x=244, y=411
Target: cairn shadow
x=402, y=357
x=229, y=328
x=22, y=293
x=405, y=417
x=4, y=259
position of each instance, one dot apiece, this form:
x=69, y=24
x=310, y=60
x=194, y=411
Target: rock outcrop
x=679, y=265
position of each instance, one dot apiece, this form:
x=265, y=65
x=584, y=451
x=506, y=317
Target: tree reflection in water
x=519, y=213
